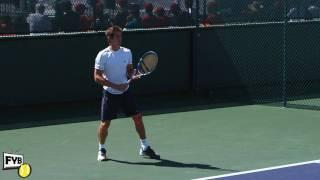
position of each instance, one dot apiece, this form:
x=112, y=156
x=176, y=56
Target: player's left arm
x=130, y=71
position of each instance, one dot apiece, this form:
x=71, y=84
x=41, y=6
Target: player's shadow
x=175, y=164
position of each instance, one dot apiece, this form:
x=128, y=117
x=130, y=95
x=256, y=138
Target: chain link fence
x=287, y=29
x=24, y=16
x=45, y=16
x=302, y=65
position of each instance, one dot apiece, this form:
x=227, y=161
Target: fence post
x=195, y=36
x=284, y=61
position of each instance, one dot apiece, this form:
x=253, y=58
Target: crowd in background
x=74, y=17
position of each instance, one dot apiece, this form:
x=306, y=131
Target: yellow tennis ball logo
x=24, y=170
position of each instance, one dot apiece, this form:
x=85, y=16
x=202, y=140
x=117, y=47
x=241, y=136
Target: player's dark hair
x=111, y=30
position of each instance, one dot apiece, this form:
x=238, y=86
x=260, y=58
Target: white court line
x=259, y=170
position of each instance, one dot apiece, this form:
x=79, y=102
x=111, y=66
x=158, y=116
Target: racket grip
x=134, y=78
x=134, y=71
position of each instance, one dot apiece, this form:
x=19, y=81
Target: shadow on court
x=174, y=164
x=53, y=114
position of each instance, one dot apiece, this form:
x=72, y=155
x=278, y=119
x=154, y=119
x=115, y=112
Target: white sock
x=144, y=143
x=101, y=146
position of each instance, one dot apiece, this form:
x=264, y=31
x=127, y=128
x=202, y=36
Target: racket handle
x=134, y=78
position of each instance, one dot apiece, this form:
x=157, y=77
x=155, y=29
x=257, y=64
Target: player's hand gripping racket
x=146, y=65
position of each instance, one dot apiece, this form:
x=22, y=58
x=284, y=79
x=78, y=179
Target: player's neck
x=114, y=48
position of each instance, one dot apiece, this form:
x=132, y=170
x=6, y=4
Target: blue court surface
x=300, y=171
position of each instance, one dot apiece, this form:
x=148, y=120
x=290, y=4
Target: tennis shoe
x=149, y=153
x=102, y=155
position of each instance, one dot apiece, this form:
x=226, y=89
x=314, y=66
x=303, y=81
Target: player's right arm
x=98, y=78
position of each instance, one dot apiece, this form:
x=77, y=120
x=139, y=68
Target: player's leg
x=130, y=110
x=145, y=150
x=102, y=136
x=139, y=125
x=109, y=110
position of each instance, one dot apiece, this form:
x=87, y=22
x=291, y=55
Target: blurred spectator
x=85, y=21
x=275, y=8
x=140, y=3
x=189, y=7
x=38, y=22
x=59, y=6
x=128, y=15
x=121, y=17
x=230, y=8
x=214, y=16
x=71, y=19
x=254, y=11
x=179, y=18
x=314, y=9
x=32, y=5
x=21, y=25
x=110, y=4
x=6, y=26
x=234, y=8
x=149, y=20
x=175, y=11
x=102, y=20
x=134, y=19
x=162, y=19
x=299, y=9
x=188, y=4
x=189, y=12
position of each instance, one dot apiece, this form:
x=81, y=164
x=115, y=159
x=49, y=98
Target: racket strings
x=148, y=63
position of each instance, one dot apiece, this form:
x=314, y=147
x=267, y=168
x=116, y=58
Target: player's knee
x=104, y=124
x=137, y=119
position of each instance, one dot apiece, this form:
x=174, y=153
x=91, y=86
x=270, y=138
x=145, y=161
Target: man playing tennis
x=113, y=67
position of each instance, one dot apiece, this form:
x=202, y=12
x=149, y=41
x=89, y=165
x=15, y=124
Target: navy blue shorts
x=111, y=103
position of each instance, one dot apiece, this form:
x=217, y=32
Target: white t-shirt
x=114, y=66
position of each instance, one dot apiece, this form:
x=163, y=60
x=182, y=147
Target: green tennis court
x=305, y=103
x=199, y=142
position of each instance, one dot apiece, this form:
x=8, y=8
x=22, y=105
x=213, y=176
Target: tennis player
x=113, y=67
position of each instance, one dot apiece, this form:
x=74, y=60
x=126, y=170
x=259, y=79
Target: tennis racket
x=146, y=65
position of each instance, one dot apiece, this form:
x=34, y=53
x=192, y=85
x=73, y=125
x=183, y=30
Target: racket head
x=147, y=63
